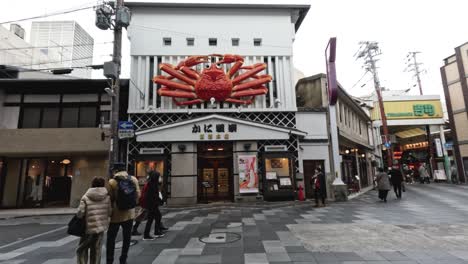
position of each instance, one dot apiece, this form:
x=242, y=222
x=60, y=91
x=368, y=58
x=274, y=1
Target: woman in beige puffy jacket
x=95, y=206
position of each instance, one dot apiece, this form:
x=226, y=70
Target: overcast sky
x=432, y=27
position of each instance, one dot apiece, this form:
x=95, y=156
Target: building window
x=105, y=117
x=88, y=116
x=235, y=41
x=31, y=117
x=212, y=41
x=257, y=42
x=50, y=117
x=167, y=41
x=190, y=41
x=69, y=117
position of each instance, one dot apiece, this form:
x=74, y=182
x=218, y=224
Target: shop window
x=50, y=117
x=31, y=117
x=278, y=174
x=70, y=117
x=105, y=117
x=190, y=41
x=235, y=42
x=167, y=41
x=144, y=166
x=212, y=41
x=88, y=116
x=257, y=42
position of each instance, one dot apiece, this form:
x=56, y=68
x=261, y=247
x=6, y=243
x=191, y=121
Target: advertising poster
x=248, y=177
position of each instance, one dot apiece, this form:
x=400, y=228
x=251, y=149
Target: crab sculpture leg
x=242, y=89
x=184, y=73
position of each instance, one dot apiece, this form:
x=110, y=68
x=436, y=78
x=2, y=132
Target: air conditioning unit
x=151, y=151
x=272, y=148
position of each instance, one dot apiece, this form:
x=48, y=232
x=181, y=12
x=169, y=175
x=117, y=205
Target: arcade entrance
x=215, y=179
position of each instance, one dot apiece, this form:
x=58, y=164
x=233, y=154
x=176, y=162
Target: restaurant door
x=215, y=180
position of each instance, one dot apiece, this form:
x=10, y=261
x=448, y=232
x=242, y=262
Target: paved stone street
x=427, y=226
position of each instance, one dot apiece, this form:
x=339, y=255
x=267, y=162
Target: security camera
x=277, y=101
x=109, y=91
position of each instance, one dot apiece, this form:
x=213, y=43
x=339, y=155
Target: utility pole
x=116, y=58
x=112, y=68
x=368, y=51
x=414, y=66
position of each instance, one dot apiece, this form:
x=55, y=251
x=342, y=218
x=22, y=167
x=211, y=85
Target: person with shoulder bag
x=124, y=192
x=151, y=203
x=383, y=184
x=95, y=209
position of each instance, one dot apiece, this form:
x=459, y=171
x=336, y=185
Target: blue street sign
x=388, y=144
x=125, y=125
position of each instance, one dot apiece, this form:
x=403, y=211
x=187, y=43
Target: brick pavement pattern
x=427, y=226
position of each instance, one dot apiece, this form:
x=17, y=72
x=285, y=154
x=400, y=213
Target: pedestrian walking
x=124, y=193
x=95, y=207
x=320, y=188
x=423, y=174
x=383, y=184
x=454, y=173
x=143, y=213
x=151, y=204
x=397, y=180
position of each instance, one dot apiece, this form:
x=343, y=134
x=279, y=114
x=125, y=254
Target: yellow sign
x=409, y=110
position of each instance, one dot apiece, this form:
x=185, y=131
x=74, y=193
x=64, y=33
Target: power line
x=360, y=79
x=415, y=67
x=59, y=61
x=44, y=47
x=56, y=13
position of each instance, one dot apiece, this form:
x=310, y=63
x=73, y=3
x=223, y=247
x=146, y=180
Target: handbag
x=77, y=226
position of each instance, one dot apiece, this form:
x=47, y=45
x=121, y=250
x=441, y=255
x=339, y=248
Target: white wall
x=151, y=25
x=314, y=123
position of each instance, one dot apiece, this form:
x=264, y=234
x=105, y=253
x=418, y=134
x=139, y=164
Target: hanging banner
x=248, y=176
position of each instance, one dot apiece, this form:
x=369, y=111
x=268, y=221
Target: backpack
x=126, y=194
x=142, y=200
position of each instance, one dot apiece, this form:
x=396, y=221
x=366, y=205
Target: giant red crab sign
x=184, y=82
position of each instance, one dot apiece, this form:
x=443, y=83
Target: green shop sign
x=418, y=110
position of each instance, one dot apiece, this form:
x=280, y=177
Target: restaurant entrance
x=215, y=179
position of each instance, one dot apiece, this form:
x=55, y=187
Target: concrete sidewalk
x=17, y=213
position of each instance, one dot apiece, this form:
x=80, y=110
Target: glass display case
x=279, y=177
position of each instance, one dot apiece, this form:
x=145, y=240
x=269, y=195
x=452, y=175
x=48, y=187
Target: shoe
x=147, y=238
x=159, y=234
x=136, y=233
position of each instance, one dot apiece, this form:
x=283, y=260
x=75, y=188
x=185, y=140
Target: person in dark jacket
x=152, y=206
x=396, y=179
x=320, y=188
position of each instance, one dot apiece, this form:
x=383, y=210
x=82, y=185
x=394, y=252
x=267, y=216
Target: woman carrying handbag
x=95, y=209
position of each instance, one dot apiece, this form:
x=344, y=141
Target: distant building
x=66, y=43
x=52, y=144
x=15, y=51
x=454, y=79
x=355, y=137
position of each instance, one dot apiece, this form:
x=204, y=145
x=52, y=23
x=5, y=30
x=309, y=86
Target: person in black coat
x=396, y=179
x=320, y=188
x=152, y=206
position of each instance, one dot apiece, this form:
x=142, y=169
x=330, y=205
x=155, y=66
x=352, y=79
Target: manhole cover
x=220, y=238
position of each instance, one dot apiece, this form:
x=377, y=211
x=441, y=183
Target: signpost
x=126, y=129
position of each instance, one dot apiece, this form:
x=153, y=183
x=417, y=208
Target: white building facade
x=67, y=45
x=215, y=150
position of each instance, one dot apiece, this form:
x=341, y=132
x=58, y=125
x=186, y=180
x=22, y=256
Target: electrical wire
x=59, y=46
x=56, y=13
x=360, y=79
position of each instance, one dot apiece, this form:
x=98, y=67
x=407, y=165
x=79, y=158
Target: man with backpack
x=124, y=193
